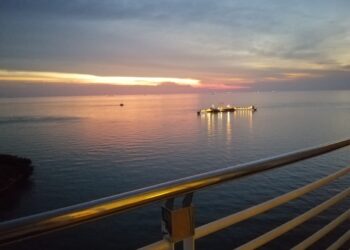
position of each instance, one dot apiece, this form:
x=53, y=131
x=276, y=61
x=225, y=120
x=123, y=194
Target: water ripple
x=37, y=119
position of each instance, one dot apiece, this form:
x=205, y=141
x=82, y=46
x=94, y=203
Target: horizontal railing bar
x=159, y=245
x=339, y=242
x=278, y=231
x=240, y=216
x=322, y=232
x=69, y=216
x=266, y=206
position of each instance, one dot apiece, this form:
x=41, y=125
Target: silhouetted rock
x=13, y=170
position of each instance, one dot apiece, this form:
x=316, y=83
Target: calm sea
x=85, y=148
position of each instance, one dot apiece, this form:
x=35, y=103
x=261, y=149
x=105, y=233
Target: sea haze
x=85, y=148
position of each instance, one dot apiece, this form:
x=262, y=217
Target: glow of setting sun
x=57, y=77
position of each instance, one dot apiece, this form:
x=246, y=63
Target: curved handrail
x=73, y=215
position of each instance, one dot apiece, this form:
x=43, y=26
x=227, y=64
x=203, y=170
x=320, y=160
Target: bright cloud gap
x=58, y=77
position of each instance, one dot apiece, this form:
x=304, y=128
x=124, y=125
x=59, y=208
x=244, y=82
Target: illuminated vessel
x=227, y=108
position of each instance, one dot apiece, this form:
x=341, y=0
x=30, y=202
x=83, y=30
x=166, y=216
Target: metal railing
x=178, y=223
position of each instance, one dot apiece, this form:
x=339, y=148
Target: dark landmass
x=13, y=170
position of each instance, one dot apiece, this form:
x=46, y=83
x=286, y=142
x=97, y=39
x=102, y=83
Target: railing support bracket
x=178, y=223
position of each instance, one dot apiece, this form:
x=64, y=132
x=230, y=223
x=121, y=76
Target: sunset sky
x=176, y=46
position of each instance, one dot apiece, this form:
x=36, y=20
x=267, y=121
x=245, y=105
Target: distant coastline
x=14, y=90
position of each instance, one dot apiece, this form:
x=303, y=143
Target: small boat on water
x=227, y=108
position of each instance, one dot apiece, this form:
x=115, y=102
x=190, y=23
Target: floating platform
x=227, y=108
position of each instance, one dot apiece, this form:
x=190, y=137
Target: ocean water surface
x=85, y=148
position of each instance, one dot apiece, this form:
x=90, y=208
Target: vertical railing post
x=178, y=223
x=188, y=243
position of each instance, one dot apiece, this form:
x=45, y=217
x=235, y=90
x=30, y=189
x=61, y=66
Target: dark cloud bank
x=176, y=39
